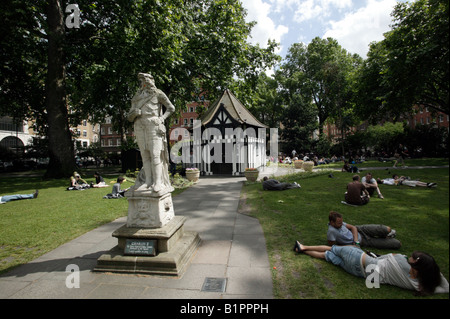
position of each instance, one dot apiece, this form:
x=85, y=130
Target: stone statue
x=146, y=113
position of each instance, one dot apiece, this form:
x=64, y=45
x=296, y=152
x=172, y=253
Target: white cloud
x=266, y=28
x=358, y=29
x=317, y=9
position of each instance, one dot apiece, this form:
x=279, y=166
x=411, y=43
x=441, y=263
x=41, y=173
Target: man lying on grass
x=274, y=185
x=377, y=236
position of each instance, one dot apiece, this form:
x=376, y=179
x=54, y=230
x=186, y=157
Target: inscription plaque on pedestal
x=136, y=247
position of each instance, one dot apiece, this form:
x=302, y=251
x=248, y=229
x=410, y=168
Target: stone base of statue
x=147, y=209
x=153, y=241
x=169, y=252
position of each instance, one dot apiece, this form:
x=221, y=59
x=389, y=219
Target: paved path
x=233, y=247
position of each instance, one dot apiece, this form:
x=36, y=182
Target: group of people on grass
x=418, y=272
x=76, y=183
x=286, y=159
x=360, y=192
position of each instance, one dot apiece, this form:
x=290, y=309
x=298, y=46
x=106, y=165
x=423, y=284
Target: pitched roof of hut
x=234, y=107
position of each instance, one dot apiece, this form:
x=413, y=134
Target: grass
x=31, y=228
x=420, y=216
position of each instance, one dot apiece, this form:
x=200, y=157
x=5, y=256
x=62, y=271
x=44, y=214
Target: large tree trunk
x=61, y=149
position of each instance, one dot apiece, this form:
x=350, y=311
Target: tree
x=33, y=74
x=192, y=48
x=299, y=123
x=267, y=105
x=93, y=69
x=411, y=65
x=320, y=73
x=61, y=148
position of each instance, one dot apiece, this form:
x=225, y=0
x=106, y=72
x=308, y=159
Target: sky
x=353, y=23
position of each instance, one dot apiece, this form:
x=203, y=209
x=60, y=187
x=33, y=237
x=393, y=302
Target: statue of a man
x=146, y=113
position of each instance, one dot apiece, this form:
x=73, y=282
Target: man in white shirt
x=371, y=185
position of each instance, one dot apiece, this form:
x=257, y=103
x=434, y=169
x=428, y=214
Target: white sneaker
x=392, y=233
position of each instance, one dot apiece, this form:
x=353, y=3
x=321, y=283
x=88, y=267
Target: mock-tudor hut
x=232, y=139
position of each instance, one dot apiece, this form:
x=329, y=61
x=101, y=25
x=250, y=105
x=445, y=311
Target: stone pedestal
x=148, y=210
x=151, y=223
x=174, y=248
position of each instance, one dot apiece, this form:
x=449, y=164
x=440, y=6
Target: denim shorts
x=347, y=257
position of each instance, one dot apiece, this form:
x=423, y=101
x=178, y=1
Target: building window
x=185, y=122
x=84, y=133
x=7, y=124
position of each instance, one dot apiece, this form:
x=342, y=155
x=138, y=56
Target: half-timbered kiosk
x=228, y=138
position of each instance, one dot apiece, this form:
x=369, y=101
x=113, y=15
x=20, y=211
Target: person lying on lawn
x=9, y=198
x=419, y=272
x=404, y=180
x=274, y=185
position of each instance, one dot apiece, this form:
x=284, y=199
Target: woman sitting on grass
x=418, y=272
x=77, y=183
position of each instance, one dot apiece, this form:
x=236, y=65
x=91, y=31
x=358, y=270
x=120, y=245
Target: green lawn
x=30, y=228
x=420, y=216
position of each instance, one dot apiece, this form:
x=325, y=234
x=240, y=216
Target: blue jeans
x=348, y=258
x=8, y=198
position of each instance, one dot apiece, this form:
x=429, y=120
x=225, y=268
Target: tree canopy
x=410, y=66
x=193, y=47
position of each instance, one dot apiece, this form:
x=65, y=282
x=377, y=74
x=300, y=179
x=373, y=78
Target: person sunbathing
x=418, y=272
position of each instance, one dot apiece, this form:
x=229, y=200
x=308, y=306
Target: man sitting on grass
x=371, y=185
x=117, y=192
x=356, y=193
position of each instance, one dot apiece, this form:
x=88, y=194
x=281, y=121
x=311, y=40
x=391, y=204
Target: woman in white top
x=419, y=272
